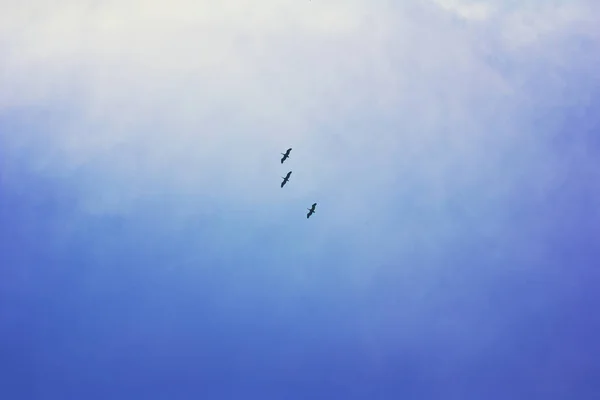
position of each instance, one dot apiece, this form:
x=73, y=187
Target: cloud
x=439, y=139
x=412, y=131
x=470, y=10
x=193, y=101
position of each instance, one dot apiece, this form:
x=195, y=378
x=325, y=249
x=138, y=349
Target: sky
x=148, y=252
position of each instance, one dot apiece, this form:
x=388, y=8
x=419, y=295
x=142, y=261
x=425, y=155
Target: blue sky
x=148, y=252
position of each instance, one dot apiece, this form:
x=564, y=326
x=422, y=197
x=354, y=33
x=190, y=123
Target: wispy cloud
x=193, y=102
x=387, y=107
x=447, y=143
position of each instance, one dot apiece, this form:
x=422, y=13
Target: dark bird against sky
x=285, y=155
x=311, y=210
x=286, y=179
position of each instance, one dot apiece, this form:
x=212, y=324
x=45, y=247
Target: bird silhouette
x=286, y=155
x=286, y=179
x=311, y=210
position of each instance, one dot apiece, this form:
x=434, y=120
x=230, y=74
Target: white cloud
x=416, y=133
x=200, y=97
x=470, y=10
x=525, y=23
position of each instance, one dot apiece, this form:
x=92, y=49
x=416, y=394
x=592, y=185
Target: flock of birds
x=286, y=178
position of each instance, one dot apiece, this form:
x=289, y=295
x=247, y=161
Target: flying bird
x=286, y=179
x=285, y=155
x=311, y=210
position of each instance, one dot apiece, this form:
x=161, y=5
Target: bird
x=286, y=179
x=311, y=210
x=285, y=155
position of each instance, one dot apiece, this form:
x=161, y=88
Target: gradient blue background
x=147, y=251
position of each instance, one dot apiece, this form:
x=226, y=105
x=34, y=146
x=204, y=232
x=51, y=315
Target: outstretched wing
x=286, y=155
